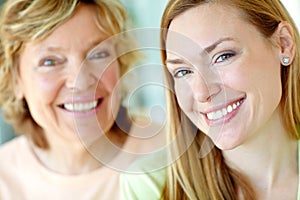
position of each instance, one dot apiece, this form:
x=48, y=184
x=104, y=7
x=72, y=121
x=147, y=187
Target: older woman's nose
x=80, y=77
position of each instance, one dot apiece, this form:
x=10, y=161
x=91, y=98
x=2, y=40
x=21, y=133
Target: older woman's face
x=226, y=74
x=69, y=80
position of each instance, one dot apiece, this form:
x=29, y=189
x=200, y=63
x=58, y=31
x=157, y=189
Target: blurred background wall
x=148, y=96
x=293, y=6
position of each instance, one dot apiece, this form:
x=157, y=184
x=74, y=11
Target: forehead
x=207, y=23
x=81, y=30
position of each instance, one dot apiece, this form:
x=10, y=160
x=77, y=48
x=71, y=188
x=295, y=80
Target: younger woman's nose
x=204, y=88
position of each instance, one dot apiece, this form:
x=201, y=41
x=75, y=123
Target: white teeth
x=218, y=114
x=80, y=107
x=222, y=112
x=229, y=109
x=209, y=115
x=234, y=106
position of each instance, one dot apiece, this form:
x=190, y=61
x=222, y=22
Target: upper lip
x=222, y=105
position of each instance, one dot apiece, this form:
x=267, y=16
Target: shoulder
x=143, y=186
x=145, y=179
x=13, y=159
x=11, y=147
x=12, y=152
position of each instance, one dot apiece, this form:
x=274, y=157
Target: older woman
x=61, y=63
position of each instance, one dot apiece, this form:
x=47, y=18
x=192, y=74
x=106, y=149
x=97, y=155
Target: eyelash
x=99, y=55
x=225, y=56
x=50, y=62
x=181, y=73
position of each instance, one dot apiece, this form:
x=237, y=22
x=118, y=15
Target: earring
x=286, y=60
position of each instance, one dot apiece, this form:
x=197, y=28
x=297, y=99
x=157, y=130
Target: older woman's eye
x=99, y=55
x=51, y=61
x=48, y=62
x=224, y=57
x=181, y=73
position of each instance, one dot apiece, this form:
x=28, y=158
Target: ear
x=286, y=43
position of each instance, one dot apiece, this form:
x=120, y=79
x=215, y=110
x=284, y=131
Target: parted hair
x=207, y=178
x=23, y=21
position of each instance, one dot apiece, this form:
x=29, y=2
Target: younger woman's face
x=69, y=80
x=226, y=74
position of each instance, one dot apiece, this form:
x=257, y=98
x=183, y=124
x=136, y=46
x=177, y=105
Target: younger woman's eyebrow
x=211, y=47
x=175, y=61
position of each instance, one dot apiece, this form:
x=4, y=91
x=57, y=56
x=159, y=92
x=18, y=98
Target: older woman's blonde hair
x=25, y=21
x=191, y=177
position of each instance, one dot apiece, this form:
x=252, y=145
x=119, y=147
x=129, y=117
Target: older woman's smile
x=80, y=106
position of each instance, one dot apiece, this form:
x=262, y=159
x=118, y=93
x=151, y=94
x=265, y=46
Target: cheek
x=184, y=95
x=254, y=77
x=40, y=95
x=47, y=83
x=111, y=76
x=41, y=87
x=50, y=86
x=259, y=68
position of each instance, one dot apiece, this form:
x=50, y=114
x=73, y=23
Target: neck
x=74, y=157
x=269, y=159
x=71, y=155
x=66, y=158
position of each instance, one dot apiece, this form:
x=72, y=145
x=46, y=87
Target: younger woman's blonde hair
x=23, y=21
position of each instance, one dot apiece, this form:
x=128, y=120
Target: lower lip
x=223, y=120
x=83, y=114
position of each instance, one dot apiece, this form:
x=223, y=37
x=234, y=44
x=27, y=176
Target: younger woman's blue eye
x=224, y=57
x=181, y=73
